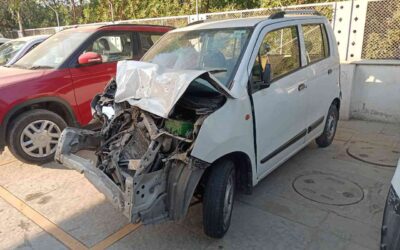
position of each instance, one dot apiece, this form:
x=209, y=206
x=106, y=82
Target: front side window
x=215, y=50
x=54, y=51
x=316, y=42
x=8, y=50
x=113, y=48
x=279, y=54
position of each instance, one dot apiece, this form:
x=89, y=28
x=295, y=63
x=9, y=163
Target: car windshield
x=54, y=50
x=8, y=50
x=215, y=50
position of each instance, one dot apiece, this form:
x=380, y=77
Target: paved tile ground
x=275, y=216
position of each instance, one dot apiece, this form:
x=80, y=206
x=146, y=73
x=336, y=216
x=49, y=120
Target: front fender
x=229, y=129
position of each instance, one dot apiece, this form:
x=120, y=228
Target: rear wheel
x=326, y=138
x=218, y=199
x=33, y=136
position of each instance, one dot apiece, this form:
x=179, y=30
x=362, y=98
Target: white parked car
x=12, y=51
x=210, y=109
x=3, y=40
x=390, y=234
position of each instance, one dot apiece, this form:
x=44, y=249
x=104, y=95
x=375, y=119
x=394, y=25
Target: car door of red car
x=89, y=80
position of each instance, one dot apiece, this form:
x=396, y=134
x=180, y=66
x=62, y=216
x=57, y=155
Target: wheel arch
x=185, y=180
x=243, y=168
x=54, y=104
x=336, y=102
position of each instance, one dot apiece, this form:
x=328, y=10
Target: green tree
x=15, y=9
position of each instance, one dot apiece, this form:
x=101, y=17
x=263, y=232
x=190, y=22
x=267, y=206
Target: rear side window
x=279, y=53
x=316, y=42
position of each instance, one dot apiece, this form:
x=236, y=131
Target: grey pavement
x=319, y=199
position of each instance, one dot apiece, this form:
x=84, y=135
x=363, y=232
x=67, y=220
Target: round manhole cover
x=328, y=189
x=374, y=154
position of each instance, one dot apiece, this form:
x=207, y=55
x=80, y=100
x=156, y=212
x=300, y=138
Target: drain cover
x=374, y=154
x=328, y=189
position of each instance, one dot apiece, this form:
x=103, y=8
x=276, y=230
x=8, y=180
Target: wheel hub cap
x=228, y=201
x=331, y=126
x=39, y=138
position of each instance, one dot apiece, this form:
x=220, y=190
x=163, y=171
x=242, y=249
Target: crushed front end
x=142, y=161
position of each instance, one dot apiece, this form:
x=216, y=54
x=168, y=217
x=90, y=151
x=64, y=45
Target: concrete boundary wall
x=371, y=90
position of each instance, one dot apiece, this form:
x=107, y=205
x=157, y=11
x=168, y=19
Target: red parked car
x=52, y=86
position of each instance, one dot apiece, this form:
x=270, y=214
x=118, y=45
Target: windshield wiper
x=41, y=67
x=217, y=70
x=17, y=66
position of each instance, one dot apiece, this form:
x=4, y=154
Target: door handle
x=301, y=86
x=329, y=71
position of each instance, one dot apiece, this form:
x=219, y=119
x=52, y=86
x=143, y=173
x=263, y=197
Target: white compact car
x=211, y=109
x=390, y=234
x=12, y=51
x=3, y=40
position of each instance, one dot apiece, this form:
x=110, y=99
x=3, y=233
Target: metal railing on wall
x=364, y=29
x=382, y=30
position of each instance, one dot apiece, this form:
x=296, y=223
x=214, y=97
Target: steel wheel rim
x=228, y=200
x=39, y=138
x=331, y=126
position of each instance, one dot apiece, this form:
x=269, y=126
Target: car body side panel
x=322, y=84
x=225, y=131
x=44, y=86
x=52, y=83
x=279, y=111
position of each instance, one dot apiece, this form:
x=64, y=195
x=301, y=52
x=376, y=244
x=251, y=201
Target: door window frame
x=264, y=31
x=74, y=58
x=327, y=37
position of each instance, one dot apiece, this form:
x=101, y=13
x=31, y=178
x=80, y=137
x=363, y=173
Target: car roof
x=132, y=27
x=244, y=22
x=31, y=38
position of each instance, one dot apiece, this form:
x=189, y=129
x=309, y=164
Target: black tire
x=326, y=138
x=17, y=127
x=214, y=222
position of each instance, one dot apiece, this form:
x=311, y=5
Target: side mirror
x=89, y=58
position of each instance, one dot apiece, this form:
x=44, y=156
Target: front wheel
x=326, y=138
x=33, y=136
x=218, y=199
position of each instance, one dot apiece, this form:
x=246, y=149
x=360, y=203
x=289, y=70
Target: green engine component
x=179, y=128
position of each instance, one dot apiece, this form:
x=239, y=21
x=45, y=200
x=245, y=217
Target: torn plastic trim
x=71, y=141
x=156, y=89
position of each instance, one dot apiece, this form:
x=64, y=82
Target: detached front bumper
x=143, y=195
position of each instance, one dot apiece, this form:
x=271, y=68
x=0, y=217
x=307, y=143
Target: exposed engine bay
x=142, y=159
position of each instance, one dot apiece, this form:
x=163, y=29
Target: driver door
x=90, y=80
x=279, y=102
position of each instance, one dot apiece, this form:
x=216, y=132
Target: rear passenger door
x=280, y=108
x=322, y=71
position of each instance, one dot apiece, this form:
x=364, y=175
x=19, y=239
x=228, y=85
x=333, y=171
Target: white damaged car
x=211, y=109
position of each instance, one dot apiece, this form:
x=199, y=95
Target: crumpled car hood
x=155, y=89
